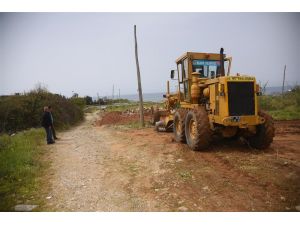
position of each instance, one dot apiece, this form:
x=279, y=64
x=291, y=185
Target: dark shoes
x=52, y=142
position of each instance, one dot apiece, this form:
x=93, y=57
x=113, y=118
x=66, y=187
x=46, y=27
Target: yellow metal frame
x=223, y=109
x=197, y=55
x=217, y=85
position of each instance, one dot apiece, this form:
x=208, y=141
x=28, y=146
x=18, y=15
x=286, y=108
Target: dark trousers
x=49, y=134
x=53, y=132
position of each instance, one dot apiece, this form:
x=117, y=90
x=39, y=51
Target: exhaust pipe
x=222, y=70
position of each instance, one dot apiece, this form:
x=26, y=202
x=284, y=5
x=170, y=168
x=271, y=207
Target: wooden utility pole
x=139, y=81
x=113, y=92
x=283, y=80
x=98, y=98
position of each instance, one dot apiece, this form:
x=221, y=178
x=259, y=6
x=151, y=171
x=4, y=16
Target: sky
x=89, y=53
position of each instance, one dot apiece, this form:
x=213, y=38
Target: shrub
x=18, y=112
x=88, y=100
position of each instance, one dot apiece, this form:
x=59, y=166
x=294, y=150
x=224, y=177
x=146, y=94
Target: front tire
x=178, y=126
x=264, y=133
x=197, y=129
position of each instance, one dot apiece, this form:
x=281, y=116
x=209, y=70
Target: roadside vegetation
x=20, y=168
x=282, y=107
x=22, y=141
x=23, y=111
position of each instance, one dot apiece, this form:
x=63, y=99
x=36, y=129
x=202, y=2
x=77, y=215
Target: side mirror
x=172, y=74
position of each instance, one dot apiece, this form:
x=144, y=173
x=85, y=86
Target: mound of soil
x=110, y=118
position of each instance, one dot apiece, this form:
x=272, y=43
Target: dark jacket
x=46, y=119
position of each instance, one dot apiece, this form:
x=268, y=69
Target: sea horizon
x=158, y=96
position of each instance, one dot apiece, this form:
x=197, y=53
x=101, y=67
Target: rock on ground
x=24, y=208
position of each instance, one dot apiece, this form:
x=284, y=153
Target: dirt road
x=115, y=168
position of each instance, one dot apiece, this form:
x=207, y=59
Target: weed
x=282, y=107
x=133, y=168
x=20, y=167
x=185, y=175
x=91, y=109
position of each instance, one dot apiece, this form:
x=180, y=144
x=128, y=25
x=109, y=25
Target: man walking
x=46, y=123
x=52, y=126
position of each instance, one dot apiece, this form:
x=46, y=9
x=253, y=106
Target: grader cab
x=209, y=102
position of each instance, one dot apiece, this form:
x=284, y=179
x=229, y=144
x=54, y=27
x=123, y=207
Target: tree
x=88, y=100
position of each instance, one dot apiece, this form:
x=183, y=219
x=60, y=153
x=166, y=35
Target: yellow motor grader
x=209, y=102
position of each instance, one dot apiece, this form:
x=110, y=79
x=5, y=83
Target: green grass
x=185, y=175
x=290, y=113
x=282, y=107
x=20, y=168
x=90, y=109
x=133, y=169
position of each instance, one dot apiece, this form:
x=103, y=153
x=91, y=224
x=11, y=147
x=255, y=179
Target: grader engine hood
x=241, y=95
x=234, y=102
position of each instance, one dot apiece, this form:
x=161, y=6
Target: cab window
x=186, y=80
x=206, y=68
x=179, y=69
x=185, y=69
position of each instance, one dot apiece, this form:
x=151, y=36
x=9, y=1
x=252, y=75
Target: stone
x=205, y=188
x=183, y=209
x=25, y=208
x=179, y=160
x=48, y=197
x=282, y=198
x=180, y=202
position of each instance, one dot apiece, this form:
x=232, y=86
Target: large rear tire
x=264, y=133
x=197, y=129
x=178, y=125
